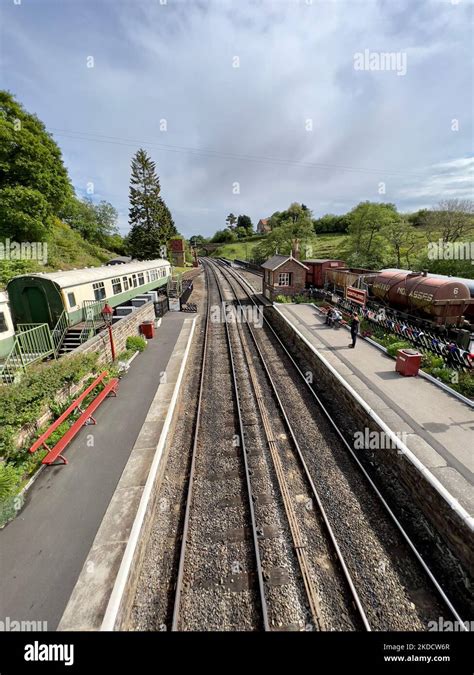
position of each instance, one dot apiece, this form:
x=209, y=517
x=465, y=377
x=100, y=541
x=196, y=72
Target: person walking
x=354, y=329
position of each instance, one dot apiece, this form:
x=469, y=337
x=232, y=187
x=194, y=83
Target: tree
x=366, y=222
x=245, y=222
x=331, y=223
x=281, y=240
x=223, y=237
x=231, y=220
x=96, y=223
x=401, y=238
x=23, y=213
x=150, y=219
x=451, y=220
x=295, y=213
x=34, y=184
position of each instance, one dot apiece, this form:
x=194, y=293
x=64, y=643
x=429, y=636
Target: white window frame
x=116, y=282
x=99, y=286
x=284, y=278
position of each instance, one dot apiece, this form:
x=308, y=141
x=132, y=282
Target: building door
x=36, y=305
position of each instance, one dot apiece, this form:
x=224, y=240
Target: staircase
x=72, y=340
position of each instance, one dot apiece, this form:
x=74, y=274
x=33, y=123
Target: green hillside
x=66, y=250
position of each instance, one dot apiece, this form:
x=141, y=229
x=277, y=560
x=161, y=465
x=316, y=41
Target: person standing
x=354, y=329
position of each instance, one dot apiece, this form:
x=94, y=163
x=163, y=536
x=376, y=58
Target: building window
x=284, y=279
x=71, y=298
x=125, y=284
x=141, y=279
x=3, y=323
x=116, y=286
x=99, y=290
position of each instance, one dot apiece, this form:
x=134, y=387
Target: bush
x=393, y=348
x=23, y=403
x=135, y=343
x=282, y=298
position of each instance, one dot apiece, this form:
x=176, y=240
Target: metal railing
x=31, y=345
x=59, y=331
x=91, y=311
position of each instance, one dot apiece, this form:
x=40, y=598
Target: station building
x=283, y=275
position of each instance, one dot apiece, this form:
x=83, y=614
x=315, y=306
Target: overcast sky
x=264, y=103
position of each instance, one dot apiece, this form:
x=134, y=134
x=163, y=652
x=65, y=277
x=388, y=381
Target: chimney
x=295, y=249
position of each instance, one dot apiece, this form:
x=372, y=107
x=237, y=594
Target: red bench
x=84, y=419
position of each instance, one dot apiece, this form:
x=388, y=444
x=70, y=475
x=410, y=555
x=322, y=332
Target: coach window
x=284, y=278
x=71, y=298
x=3, y=323
x=147, y=277
x=116, y=286
x=134, y=280
x=141, y=279
x=99, y=290
x=125, y=284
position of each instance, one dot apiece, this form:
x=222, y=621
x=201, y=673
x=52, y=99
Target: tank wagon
x=444, y=300
x=467, y=282
x=42, y=298
x=7, y=333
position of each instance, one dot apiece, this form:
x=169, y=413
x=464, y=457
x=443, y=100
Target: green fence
x=31, y=344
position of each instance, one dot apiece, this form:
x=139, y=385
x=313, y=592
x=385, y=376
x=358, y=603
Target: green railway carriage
x=42, y=298
x=7, y=333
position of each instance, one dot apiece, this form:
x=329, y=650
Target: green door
x=37, y=305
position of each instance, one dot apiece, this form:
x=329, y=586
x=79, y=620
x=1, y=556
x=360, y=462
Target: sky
x=247, y=106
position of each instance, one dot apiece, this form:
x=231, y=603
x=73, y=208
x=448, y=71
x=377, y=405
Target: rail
x=246, y=286
x=291, y=516
x=189, y=497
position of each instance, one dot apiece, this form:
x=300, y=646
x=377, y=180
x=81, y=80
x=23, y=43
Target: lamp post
x=107, y=314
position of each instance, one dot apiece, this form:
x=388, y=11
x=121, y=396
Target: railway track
x=417, y=576
x=282, y=566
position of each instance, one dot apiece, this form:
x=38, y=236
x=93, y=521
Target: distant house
x=283, y=275
x=263, y=226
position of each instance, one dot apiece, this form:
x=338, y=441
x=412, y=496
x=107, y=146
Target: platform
x=46, y=546
x=435, y=426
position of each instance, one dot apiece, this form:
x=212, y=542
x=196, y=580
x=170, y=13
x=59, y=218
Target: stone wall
x=127, y=326
x=394, y=469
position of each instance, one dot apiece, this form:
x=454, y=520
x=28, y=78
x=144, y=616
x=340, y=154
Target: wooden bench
x=84, y=419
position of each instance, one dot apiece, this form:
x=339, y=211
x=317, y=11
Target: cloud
x=249, y=124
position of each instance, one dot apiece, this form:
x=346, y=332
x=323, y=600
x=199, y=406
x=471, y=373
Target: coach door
x=37, y=305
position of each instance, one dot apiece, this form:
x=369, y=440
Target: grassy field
x=240, y=249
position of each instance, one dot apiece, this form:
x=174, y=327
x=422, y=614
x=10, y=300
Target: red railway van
x=317, y=270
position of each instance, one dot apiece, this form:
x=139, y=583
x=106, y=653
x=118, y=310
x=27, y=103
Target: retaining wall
x=454, y=529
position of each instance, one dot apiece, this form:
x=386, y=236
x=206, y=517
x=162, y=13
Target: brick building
x=283, y=275
x=263, y=226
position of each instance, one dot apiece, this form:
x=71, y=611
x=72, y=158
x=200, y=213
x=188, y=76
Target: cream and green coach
x=43, y=298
